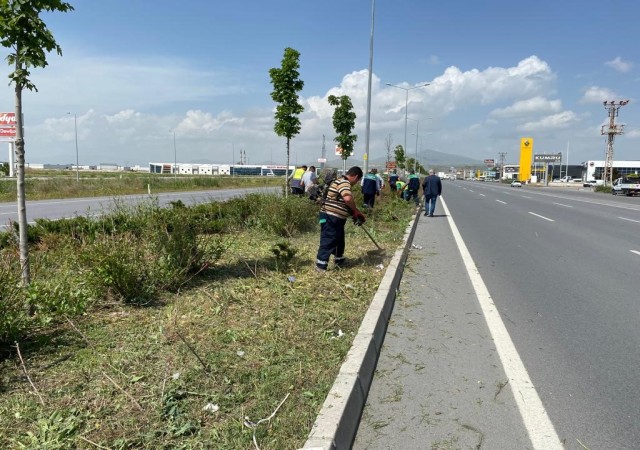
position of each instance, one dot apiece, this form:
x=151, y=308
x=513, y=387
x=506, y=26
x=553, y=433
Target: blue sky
x=135, y=72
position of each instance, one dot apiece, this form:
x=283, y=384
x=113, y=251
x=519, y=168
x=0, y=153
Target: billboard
x=7, y=125
x=526, y=156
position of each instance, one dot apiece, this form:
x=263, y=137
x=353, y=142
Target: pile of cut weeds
x=201, y=367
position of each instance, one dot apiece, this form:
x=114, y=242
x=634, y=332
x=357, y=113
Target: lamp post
x=415, y=163
x=75, y=127
x=406, y=106
x=368, y=127
x=175, y=156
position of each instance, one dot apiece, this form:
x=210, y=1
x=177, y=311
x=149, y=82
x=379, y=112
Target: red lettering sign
x=7, y=119
x=8, y=132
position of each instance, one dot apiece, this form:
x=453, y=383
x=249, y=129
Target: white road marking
x=470, y=190
x=542, y=217
x=630, y=220
x=635, y=251
x=500, y=201
x=524, y=196
x=536, y=420
x=482, y=195
x=562, y=204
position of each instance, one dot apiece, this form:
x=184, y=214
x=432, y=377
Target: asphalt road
x=56, y=209
x=562, y=267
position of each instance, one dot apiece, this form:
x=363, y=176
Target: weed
x=284, y=255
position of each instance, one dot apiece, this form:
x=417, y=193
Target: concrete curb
x=337, y=423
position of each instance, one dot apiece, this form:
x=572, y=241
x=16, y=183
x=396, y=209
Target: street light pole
x=406, y=106
x=415, y=163
x=175, y=156
x=75, y=127
x=368, y=128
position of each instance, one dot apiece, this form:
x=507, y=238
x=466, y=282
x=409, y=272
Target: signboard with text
x=548, y=157
x=7, y=125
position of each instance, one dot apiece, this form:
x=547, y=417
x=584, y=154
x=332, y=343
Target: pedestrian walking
x=432, y=188
x=370, y=188
x=335, y=211
x=393, y=179
x=413, y=187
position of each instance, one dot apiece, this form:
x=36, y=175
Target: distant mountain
x=429, y=159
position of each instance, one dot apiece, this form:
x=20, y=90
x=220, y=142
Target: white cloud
x=618, y=64
x=555, y=121
x=595, y=94
x=633, y=134
x=535, y=105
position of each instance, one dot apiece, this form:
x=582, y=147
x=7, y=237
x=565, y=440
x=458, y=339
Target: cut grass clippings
x=201, y=367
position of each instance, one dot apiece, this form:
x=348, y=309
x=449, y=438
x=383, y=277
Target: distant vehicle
x=626, y=186
x=516, y=183
x=567, y=179
x=592, y=183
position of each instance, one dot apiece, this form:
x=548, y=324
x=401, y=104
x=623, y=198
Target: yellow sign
x=365, y=157
x=526, y=158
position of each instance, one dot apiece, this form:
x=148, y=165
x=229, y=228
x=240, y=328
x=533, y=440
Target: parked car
x=516, y=184
x=592, y=183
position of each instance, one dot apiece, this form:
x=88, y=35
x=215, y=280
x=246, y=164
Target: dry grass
x=241, y=336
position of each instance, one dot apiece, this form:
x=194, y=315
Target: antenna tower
x=502, y=155
x=611, y=131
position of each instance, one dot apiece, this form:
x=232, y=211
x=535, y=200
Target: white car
x=516, y=184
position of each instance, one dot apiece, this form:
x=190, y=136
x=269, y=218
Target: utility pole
x=502, y=155
x=611, y=131
x=324, y=154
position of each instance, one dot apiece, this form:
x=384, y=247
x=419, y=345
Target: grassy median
x=44, y=185
x=182, y=328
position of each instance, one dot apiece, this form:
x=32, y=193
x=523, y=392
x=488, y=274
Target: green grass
x=43, y=185
x=249, y=325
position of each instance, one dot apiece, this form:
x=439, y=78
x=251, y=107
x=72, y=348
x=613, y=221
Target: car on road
x=592, y=183
x=516, y=184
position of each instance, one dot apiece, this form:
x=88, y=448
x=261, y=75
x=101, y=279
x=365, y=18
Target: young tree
x=400, y=156
x=344, y=121
x=286, y=85
x=387, y=144
x=25, y=33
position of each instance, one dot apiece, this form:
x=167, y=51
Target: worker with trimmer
x=336, y=209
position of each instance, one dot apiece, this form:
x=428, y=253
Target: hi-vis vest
x=297, y=177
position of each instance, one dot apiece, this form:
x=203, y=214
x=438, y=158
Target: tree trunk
x=287, y=183
x=22, y=206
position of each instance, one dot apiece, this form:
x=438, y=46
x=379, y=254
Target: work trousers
x=369, y=200
x=413, y=195
x=331, y=240
x=430, y=204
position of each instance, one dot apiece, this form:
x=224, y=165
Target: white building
x=593, y=170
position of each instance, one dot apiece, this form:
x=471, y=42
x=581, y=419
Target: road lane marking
x=482, y=195
x=635, y=251
x=536, y=420
x=562, y=204
x=524, y=196
x=542, y=217
x=630, y=220
x=500, y=201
